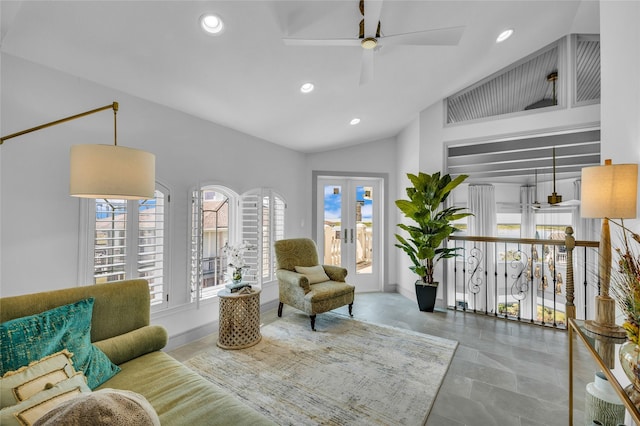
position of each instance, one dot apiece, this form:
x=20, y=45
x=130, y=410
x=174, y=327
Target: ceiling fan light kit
x=369, y=43
x=554, y=198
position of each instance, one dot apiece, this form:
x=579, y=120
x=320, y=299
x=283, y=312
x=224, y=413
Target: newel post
x=570, y=244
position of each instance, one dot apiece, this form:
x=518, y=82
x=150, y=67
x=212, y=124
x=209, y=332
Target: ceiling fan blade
x=568, y=203
x=440, y=37
x=322, y=42
x=366, y=68
x=372, y=9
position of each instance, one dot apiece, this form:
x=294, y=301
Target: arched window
x=220, y=216
x=127, y=239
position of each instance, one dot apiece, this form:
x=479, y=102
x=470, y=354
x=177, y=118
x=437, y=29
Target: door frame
x=383, y=246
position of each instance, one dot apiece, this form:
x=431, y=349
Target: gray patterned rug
x=347, y=373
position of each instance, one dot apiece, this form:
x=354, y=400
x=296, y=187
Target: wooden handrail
x=578, y=243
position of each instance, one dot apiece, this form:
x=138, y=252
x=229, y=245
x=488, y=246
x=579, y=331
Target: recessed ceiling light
x=212, y=24
x=354, y=121
x=307, y=87
x=504, y=35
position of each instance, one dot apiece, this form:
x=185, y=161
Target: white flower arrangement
x=235, y=254
x=235, y=258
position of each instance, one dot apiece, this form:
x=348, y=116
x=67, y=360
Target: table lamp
x=608, y=191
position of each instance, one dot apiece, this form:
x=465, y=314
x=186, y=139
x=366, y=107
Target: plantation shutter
x=110, y=241
x=151, y=242
x=195, y=270
x=251, y=232
x=278, y=213
x=263, y=215
x=266, y=236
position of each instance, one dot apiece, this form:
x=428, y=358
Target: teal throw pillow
x=27, y=339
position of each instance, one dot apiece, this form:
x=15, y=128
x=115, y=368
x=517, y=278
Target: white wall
x=39, y=220
x=620, y=58
x=408, y=161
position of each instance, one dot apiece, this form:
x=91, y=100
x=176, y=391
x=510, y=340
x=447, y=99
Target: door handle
x=345, y=235
x=351, y=235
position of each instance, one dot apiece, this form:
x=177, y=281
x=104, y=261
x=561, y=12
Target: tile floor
x=503, y=373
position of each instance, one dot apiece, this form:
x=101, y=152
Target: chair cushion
x=328, y=290
x=315, y=274
x=327, y=296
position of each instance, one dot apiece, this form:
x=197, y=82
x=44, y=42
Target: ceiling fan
x=370, y=38
x=555, y=199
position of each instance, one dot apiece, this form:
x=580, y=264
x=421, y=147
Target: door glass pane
x=364, y=229
x=332, y=224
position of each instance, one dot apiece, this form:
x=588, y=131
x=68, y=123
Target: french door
x=348, y=228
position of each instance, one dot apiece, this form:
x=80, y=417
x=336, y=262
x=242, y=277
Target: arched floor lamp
x=106, y=171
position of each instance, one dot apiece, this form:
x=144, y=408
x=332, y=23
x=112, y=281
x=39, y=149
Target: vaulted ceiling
x=249, y=80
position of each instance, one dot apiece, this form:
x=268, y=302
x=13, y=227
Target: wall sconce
x=106, y=171
x=608, y=191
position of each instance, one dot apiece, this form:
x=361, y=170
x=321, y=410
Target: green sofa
x=120, y=328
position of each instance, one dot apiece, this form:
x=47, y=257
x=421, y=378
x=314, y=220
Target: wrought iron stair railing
x=522, y=279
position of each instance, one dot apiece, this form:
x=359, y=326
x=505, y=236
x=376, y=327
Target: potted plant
x=433, y=224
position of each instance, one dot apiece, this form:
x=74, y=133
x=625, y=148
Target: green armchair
x=306, y=285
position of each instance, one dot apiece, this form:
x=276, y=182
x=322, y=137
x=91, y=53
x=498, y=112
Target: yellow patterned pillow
x=29, y=411
x=315, y=274
x=22, y=384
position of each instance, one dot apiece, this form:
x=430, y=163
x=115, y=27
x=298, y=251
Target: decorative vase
x=237, y=275
x=629, y=360
x=602, y=404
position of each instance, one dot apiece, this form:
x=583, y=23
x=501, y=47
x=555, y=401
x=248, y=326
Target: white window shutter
x=195, y=270
x=250, y=208
x=110, y=241
x=263, y=215
x=278, y=217
x=151, y=243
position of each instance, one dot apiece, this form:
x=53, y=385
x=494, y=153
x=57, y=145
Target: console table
x=604, y=351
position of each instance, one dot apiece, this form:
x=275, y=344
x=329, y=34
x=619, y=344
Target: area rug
x=348, y=372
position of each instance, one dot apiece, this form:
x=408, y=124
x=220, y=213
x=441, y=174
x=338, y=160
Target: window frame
x=86, y=244
x=196, y=293
x=246, y=223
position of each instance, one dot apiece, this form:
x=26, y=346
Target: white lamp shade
x=609, y=191
x=110, y=171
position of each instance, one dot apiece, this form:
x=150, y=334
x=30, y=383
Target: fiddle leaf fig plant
x=433, y=221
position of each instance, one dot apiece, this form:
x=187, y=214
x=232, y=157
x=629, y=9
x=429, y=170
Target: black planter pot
x=426, y=295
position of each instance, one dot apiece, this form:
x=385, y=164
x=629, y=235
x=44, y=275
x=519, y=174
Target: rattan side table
x=239, y=320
